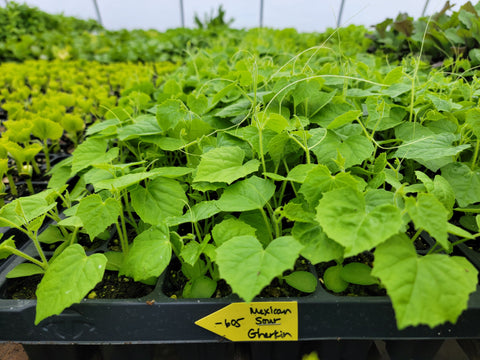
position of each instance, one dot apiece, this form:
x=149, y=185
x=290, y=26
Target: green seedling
x=45, y=130
x=3, y=173
x=24, y=161
x=69, y=274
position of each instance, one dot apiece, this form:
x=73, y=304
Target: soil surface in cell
x=111, y=287
x=119, y=287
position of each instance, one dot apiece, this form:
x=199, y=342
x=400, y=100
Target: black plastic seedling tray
x=157, y=319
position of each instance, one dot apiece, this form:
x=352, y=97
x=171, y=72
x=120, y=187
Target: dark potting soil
x=111, y=287
x=421, y=244
x=67, y=146
x=119, y=287
x=21, y=288
x=22, y=190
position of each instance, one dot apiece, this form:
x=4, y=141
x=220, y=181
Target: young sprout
x=3, y=172
x=44, y=130
x=73, y=125
x=25, y=162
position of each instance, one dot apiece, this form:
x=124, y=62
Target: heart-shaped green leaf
x=92, y=151
x=259, y=265
x=317, y=246
x=428, y=213
x=346, y=218
x=46, y=129
x=149, y=255
x=97, y=215
x=67, y=281
x=229, y=228
x=320, y=180
x=170, y=113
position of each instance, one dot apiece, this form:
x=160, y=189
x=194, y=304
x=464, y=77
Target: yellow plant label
x=255, y=321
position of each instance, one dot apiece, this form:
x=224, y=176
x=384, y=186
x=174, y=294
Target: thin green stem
x=433, y=249
x=197, y=231
x=475, y=154
x=274, y=220
x=387, y=141
x=255, y=84
x=282, y=192
x=415, y=74
x=465, y=240
x=39, y=249
x=11, y=183
x=131, y=219
x=125, y=247
x=306, y=149
x=267, y=223
x=292, y=184
x=66, y=201
x=63, y=231
x=17, y=252
x=131, y=149
x=275, y=199
x=417, y=234
x=74, y=236
x=466, y=210
x=35, y=167
x=30, y=186
x=13, y=225
x=120, y=237
x=47, y=156
x=121, y=227
x=260, y=146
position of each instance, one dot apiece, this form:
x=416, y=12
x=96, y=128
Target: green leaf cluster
x=261, y=149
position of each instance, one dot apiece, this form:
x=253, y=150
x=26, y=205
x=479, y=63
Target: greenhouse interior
x=240, y=180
